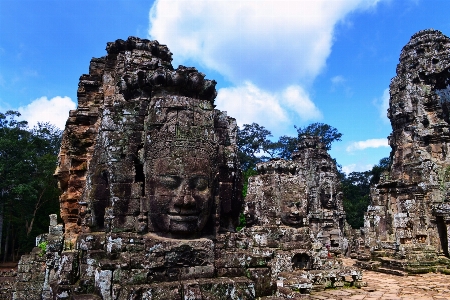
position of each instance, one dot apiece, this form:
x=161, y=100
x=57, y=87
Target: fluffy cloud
x=356, y=168
x=54, y=111
x=371, y=143
x=248, y=103
x=382, y=104
x=297, y=100
x=273, y=44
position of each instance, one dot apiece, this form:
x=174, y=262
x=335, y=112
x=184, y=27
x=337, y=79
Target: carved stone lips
x=183, y=218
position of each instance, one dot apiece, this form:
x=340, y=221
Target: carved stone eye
x=170, y=182
x=199, y=183
x=294, y=204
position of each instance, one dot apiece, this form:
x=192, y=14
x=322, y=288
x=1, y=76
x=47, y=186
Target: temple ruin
x=152, y=191
x=407, y=223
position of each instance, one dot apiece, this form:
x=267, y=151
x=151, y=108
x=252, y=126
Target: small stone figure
x=326, y=196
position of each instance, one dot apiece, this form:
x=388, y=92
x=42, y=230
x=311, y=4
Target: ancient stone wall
x=408, y=217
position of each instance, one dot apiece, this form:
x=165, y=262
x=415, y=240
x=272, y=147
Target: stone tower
x=295, y=221
x=150, y=178
x=408, y=218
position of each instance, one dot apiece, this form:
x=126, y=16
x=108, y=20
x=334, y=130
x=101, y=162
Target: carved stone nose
x=185, y=201
x=188, y=200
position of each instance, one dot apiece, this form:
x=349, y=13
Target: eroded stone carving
x=407, y=220
x=295, y=222
x=149, y=174
x=152, y=195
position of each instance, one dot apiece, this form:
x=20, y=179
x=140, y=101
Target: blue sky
x=277, y=63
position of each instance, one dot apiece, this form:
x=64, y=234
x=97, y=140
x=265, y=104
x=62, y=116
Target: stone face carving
x=182, y=163
x=152, y=195
x=293, y=206
x=407, y=218
x=159, y=154
x=150, y=178
x=295, y=222
x=303, y=192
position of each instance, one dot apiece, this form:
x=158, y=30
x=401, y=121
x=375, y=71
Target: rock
x=295, y=218
x=408, y=217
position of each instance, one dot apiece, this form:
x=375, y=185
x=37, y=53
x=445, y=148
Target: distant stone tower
x=295, y=220
x=407, y=222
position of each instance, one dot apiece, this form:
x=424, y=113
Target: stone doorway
x=301, y=261
x=443, y=234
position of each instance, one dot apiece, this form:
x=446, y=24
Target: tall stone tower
x=407, y=223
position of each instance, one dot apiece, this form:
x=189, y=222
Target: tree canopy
x=356, y=189
x=327, y=133
x=28, y=190
x=255, y=146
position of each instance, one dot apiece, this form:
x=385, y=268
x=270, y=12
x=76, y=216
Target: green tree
x=328, y=133
x=286, y=145
x=253, y=145
x=356, y=190
x=377, y=170
x=28, y=190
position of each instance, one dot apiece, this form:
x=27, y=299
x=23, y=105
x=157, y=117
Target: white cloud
x=371, y=143
x=248, y=103
x=382, y=104
x=295, y=98
x=54, y=111
x=273, y=44
x=356, y=168
x=336, y=80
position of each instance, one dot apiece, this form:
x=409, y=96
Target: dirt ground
x=385, y=286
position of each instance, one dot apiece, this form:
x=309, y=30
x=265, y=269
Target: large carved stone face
x=327, y=197
x=293, y=211
x=181, y=197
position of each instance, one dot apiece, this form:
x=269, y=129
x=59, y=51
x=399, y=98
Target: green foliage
x=327, y=133
x=28, y=190
x=43, y=247
x=253, y=145
x=246, y=174
x=377, y=170
x=356, y=189
x=286, y=145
